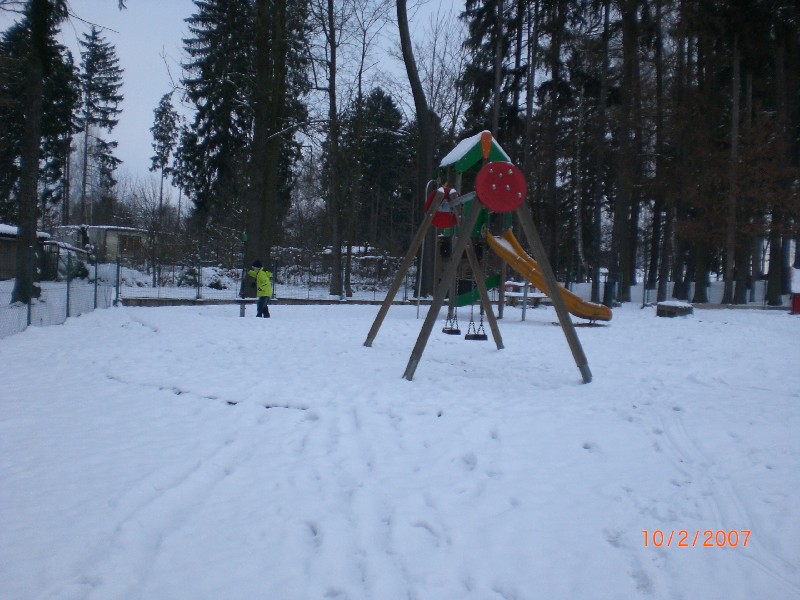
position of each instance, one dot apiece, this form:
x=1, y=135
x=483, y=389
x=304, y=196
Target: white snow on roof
x=465, y=146
x=97, y=227
x=13, y=230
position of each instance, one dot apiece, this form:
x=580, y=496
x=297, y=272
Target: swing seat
x=481, y=337
x=451, y=330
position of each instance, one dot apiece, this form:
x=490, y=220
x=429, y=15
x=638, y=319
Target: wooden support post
x=484, y=295
x=501, y=293
x=540, y=255
x=404, y=266
x=441, y=291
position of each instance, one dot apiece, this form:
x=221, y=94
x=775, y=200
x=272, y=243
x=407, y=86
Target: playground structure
x=501, y=188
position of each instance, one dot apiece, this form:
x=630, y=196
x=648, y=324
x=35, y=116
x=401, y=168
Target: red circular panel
x=501, y=186
x=442, y=219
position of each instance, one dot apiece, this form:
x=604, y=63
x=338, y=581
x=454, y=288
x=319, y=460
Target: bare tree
x=369, y=18
x=330, y=20
x=425, y=127
x=444, y=62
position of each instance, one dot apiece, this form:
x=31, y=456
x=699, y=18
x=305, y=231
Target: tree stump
x=673, y=309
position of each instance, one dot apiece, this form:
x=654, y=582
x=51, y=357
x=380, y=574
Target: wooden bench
x=673, y=309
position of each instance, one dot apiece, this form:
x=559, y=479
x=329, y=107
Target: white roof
x=108, y=227
x=464, y=146
x=13, y=230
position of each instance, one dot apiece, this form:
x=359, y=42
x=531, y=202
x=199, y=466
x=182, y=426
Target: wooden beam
x=529, y=228
x=404, y=266
x=441, y=291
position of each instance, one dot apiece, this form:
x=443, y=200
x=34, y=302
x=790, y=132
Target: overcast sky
x=142, y=34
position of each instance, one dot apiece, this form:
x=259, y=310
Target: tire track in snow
x=717, y=492
x=358, y=518
x=160, y=505
x=386, y=573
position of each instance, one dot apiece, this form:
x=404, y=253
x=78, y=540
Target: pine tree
x=384, y=163
x=278, y=110
x=165, y=137
x=60, y=99
x=101, y=80
x=219, y=80
x=41, y=18
x=62, y=102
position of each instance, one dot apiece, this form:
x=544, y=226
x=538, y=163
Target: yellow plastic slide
x=509, y=249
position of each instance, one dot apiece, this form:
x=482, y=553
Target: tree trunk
x=498, y=69
x=426, y=141
x=786, y=264
x=66, y=184
x=627, y=194
x=550, y=233
x=84, y=173
x=701, y=273
x=29, y=168
x=600, y=134
x=774, y=279
x=756, y=274
x=730, y=231
x=742, y=275
x=656, y=244
x=265, y=158
x=680, y=271
x=333, y=160
x=666, y=253
x=530, y=91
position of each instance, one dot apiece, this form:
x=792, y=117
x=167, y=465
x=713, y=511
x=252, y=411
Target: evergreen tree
x=494, y=77
x=41, y=18
x=279, y=87
x=165, y=137
x=60, y=100
x=101, y=80
x=213, y=150
x=381, y=217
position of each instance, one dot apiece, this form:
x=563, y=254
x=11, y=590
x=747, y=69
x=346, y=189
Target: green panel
x=469, y=159
x=495, y=154
x=483, y=219
x=473, y=296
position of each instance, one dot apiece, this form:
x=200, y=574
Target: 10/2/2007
x=708, y=538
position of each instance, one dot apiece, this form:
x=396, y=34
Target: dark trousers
x=262, y=307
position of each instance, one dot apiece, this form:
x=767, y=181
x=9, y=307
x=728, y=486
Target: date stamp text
x=708, y=538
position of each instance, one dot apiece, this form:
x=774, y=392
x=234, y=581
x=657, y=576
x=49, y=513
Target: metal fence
x=297, y=275
x=69, y=284
x=69, y=281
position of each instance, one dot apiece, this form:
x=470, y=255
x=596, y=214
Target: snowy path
x=187, y=453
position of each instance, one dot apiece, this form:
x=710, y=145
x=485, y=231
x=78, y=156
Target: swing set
x=499, y=187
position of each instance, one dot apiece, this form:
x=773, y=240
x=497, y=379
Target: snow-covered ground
x=186, y=453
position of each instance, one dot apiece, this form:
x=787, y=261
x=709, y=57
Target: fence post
x=30, y=282
x=69, y=270
x=199, y=279
x=116, y=284
x=95, y=281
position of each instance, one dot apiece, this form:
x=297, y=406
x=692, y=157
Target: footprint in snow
x=470, y=461
x=590, y=446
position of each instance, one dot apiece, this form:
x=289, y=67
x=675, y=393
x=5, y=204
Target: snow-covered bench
x=534, y=297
